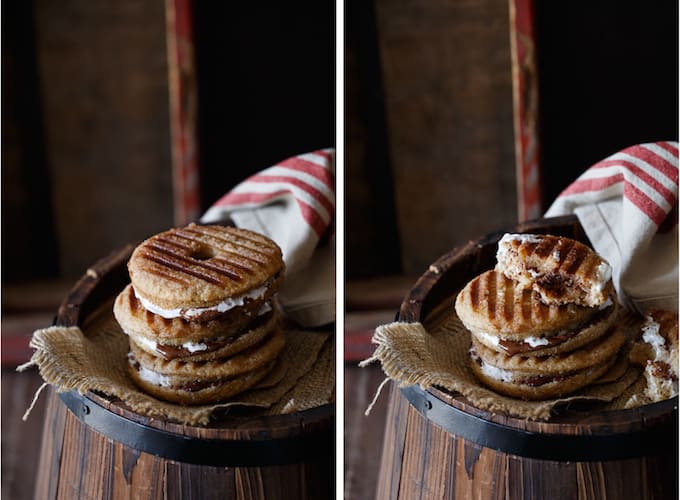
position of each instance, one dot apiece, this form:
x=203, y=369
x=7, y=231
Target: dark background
x=266, y=86
x=86, y=120
x=608, y=79
x=430, y=157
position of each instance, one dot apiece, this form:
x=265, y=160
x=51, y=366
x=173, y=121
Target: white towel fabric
x=628, y=207
x=293, y=203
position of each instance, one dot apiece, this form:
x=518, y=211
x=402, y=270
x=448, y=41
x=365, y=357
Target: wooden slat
x=33, y=296
x=526, y=112
x=377, y=292
x=373, y=242
x=363, y=435
x=394, y=441
x=21, y=440
x=104, y=93
x=448, y=94
x=183, y=110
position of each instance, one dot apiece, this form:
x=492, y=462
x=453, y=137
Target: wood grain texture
x=420, y=460
x=103, y=77
x=21, y=440
x=429, y=462
x=372, y=238
x=393, y=447
x=363, y=435
x=92, y=466
x=448, y=100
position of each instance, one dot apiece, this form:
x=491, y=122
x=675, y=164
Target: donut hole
x=203, y=252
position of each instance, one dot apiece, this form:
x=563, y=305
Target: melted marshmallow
x=153, y=377
x=192, y=312
x=603, y=273
x=496, y=373
x=192, y=347
x=494, y=340
x=143, y=342
x=536, y=341
x=488, y=338
x=651, y=335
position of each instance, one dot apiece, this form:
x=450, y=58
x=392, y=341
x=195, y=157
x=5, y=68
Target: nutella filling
x=512, y=347
x=170, y=352
x=164, y=381
x=510, y=376
x=207, y=313
x=539, y=380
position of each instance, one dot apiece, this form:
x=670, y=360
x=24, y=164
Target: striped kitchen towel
x=628, y=207
x=293, y=203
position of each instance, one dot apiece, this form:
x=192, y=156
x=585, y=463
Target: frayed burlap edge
x=315, y=388
x=411, y=355
x=70, y=359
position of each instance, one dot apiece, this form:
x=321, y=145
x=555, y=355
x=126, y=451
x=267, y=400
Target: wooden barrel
x=437, y=445
x=94, y=447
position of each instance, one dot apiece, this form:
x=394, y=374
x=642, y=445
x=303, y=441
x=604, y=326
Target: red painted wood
x=525, y=100
x=183, y=110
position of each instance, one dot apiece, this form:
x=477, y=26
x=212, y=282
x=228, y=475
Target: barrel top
x=99, y=285
x=448, y=274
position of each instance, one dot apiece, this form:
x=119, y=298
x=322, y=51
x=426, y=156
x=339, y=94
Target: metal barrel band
x=200, y=451
x=543, y=446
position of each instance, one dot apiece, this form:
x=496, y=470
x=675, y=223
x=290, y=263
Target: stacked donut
x=543, y=321
x=199, y=312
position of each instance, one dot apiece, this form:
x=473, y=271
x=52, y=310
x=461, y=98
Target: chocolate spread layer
x=512, y=347
x=170, y=352
x=539, y=380
x=532, y=380
x=199, y=385
x=192, y=386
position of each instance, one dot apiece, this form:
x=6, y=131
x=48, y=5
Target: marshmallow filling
x=531, y=343
x=170, y=352
x=160, y=380
x=513, y=377
x=190, y=313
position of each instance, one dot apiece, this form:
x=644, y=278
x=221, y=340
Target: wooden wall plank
x=104, y=88
x=371, y=236
x=447, y=73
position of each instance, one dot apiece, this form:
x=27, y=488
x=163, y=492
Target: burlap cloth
x=93, y=358
x=411, y=354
